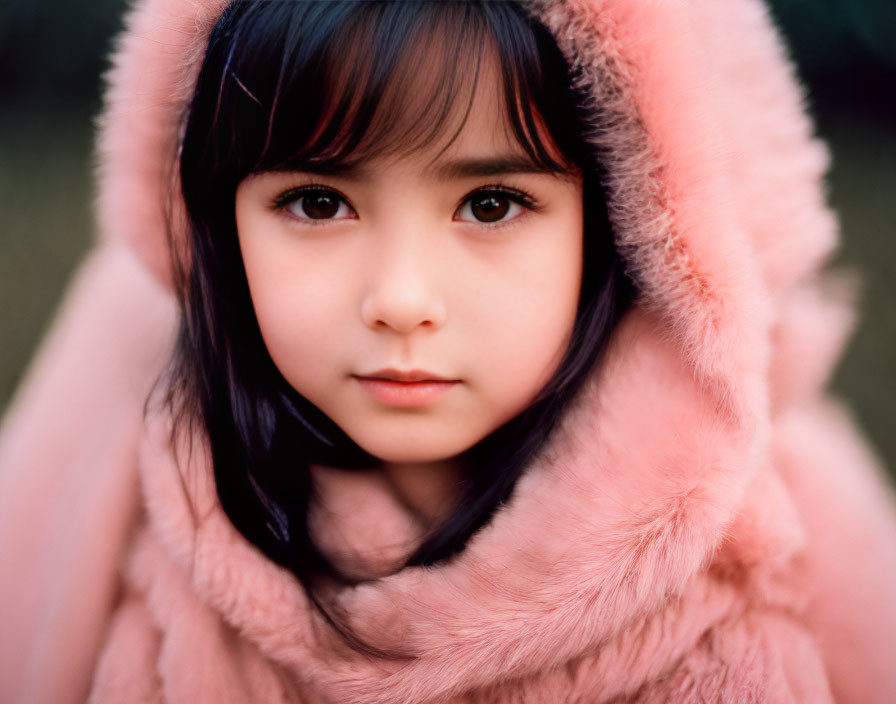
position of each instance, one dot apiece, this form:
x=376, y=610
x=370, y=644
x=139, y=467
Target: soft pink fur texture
x=705, y=525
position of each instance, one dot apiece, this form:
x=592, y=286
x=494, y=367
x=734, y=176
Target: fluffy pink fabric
x=704, y=526
x=68, y=489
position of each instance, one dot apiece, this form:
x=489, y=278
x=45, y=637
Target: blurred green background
x=51, y=55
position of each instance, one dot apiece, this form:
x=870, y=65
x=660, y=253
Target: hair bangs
x=323, y=89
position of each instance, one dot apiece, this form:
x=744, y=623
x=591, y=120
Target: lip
x=410, y=375
x=405, y=389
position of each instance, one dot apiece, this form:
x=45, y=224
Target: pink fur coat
x=705, y=525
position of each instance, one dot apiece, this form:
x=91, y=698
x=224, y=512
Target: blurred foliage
x=826, y=31
x=55, y=50
x=52, y=52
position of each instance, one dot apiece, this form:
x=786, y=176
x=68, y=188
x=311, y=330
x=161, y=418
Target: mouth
x=408, y=376
x=405, y=389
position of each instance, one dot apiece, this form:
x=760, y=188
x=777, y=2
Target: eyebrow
x=495, y=166
x=350, y=170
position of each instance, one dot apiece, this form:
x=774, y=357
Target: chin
x=400, y=451
x=402, y=455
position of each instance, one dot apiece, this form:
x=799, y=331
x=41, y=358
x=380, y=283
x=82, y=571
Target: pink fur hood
x=705, y=524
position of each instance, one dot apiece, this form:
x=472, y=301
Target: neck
x=429, y=490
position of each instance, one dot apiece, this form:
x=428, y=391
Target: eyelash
x=290, y=196
x=520, y=197
x=512, y=194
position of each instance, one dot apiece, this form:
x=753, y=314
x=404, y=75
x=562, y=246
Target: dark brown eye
x=489, y=207
x=320, y=205
x=316, y=204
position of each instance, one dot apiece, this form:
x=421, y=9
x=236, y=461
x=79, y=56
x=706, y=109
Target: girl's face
x=420, y=301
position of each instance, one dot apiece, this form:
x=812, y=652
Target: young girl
x=498, y=372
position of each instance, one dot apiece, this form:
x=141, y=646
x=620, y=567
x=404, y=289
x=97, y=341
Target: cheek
x=526, y=328
x=296, y=317
x=288, y=326
x=295, y=305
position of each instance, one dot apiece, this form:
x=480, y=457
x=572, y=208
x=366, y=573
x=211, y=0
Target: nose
x=403, y=295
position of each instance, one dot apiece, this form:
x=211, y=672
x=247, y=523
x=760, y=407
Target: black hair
x=299, y=83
